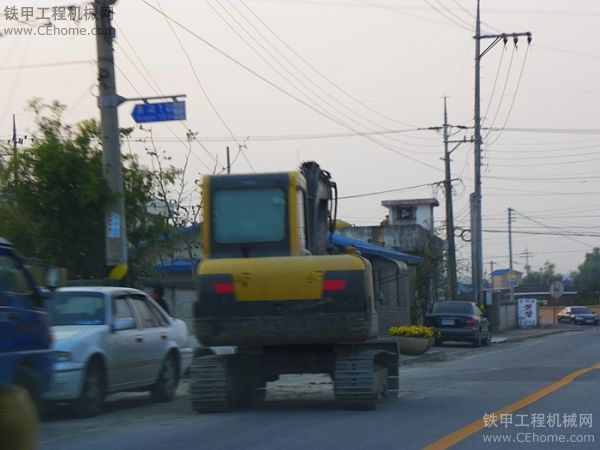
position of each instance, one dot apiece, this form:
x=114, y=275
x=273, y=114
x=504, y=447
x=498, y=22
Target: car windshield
x=77, y=308
x=580, y=311
x=452, y=308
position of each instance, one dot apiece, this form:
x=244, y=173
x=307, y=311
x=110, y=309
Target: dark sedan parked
x=577, y=315
x=459, y=321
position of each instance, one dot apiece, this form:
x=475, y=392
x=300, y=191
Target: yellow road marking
x=454, y=438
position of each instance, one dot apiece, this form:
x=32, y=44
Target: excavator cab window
x=249, y=216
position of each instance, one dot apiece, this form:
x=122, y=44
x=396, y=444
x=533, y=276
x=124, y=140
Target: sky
x=356, y=86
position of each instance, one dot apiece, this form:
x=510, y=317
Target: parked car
x=25, y=338
x=577, y=315
x=459, y=321
x=110, y=339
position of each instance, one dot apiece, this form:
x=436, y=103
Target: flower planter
x=410, y=345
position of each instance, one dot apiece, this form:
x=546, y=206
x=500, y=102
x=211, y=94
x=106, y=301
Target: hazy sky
x=388, y=65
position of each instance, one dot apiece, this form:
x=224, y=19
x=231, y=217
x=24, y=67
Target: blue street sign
x=158, y=112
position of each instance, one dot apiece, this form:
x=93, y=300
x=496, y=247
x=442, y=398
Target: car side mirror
x=125, y=323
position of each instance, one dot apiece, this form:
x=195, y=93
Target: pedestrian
x=157, y=293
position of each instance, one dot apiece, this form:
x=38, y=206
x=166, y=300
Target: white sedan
x=111, y=339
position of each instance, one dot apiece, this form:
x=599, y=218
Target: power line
x=297, y=69
x=568, y=235
x=449, y=18
x=512, y=103
x=512, y=55
x=156, y=88
x=390, y=190
x=320, y=73
x=296, y=137
x=196, y=76
x=286, y=92
x=49, y=64
x=547, y=130
x=181, y=141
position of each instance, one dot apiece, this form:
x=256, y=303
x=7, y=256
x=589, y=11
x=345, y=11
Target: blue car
x=25, y=338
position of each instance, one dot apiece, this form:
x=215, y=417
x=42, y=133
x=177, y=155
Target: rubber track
x=354, y=381
x=208, y=384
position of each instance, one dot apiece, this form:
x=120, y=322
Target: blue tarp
x=367, y=249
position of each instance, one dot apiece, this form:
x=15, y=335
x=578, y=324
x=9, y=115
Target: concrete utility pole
x=452, y=271
x=452, y=282
x=108, y=101
x=511, y=284
x=526, y=254
x=228, y=162
x=475, y=200
x=15, y=153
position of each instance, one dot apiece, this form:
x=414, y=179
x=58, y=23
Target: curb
x=538, y=335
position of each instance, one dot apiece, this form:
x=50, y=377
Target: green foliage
x=53, y=196
x=429, y=278
x=544, y=276
x=587, y=279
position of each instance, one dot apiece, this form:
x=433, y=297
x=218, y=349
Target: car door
x=125, y=350
x=154, y=335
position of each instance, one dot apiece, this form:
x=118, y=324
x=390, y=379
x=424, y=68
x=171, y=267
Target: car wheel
x=477, y=340
x=28, y=380
x=89, y=403
x=168, y=378
x=438, y=342
x=488, y=339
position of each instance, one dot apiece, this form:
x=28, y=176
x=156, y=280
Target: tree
x=53, y=195
x=174, y=202
x=588, y=277
x=544, y=276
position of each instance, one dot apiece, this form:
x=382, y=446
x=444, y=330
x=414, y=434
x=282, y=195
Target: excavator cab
x=278, y=214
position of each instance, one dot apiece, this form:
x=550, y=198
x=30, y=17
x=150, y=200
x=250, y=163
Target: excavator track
x=360, y=382
x=209, y=384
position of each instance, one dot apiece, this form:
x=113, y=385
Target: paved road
x=437, y=401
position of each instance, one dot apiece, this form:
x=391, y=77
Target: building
x=411, y=212
x=408, y=228
x=501, y=279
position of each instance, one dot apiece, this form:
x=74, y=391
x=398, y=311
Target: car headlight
x=62, y=356
x=578, y=318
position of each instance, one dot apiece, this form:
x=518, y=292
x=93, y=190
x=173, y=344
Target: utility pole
x=228, y=162
x=511, y=285
x=108, y=101
x=15, y=154
x=492, y=278
x=452, y=271
x=526, y=254
x=475, y=199
x=449, y=215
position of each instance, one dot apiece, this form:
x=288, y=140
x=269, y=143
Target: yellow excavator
x=272, y=284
